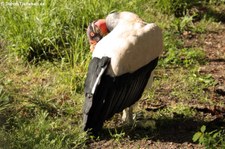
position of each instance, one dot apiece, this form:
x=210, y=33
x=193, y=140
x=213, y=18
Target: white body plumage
x=136, y=44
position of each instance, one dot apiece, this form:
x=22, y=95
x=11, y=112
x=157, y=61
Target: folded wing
x=112, y=94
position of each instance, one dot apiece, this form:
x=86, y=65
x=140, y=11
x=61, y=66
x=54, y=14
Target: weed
x=213, y=139
x=117, y=136
x=183, y=24
x=183, y=57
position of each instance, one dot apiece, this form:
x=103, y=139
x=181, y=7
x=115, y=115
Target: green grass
x=54, y=30
x=44, y=55
x=181, y=85
x=40, y=107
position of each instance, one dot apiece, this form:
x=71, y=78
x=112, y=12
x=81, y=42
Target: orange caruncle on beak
x=92, y=45
x=93, y=42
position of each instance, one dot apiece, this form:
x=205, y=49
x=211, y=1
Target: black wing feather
x=113, y=94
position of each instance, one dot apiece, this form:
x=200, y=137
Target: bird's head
x=96, y=31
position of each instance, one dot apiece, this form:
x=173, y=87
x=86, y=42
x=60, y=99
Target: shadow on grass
x=219, y=16
x=209, y=12
x=177, y=130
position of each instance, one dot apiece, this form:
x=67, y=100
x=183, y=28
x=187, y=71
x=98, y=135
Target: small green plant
x=199, y=136
x=207, y=80
x=211, y=140
x=183, y=24
x=117, y=136
x=184, y=57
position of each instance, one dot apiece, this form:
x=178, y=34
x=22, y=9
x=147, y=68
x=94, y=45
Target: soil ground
x=179, y=131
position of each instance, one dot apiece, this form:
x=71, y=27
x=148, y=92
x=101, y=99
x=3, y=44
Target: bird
x=98, y=29
x=124, y=55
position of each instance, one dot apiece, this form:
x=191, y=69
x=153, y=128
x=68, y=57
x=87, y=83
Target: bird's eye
x=92, y=34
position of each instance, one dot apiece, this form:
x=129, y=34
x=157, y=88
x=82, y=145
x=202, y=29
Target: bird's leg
x=127, y=116
x=150, y=81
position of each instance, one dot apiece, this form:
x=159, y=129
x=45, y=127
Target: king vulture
x=121, y=66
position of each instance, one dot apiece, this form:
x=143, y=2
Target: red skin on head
x=101, y=23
